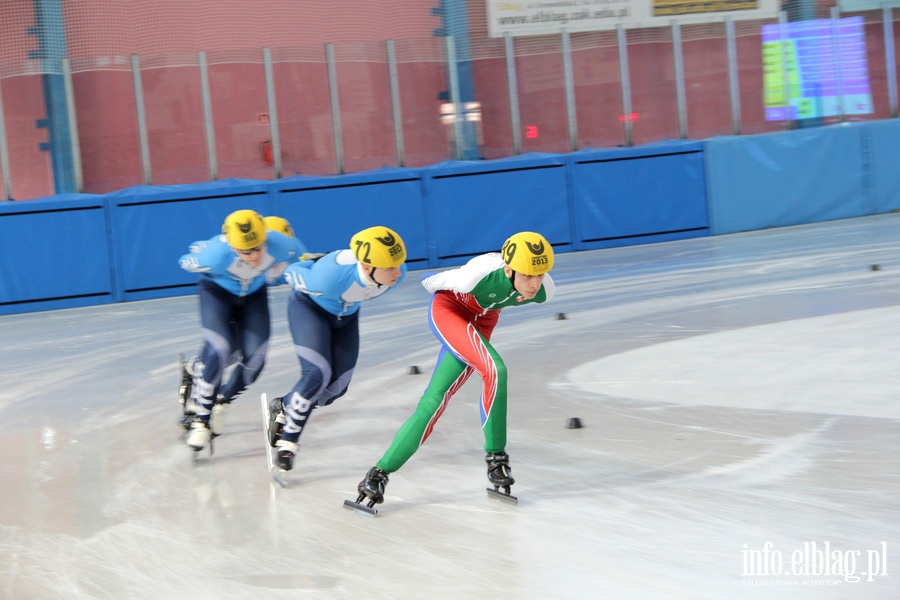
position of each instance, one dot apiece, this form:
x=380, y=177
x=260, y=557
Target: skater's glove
x=313, y=256
x=190, y=263
x=295, y=280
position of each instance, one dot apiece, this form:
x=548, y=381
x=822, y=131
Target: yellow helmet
x=244, y=229
x=528, y=253
x=279, y=224
x=378, y=247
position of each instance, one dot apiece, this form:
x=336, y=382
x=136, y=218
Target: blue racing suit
x=234, y=311
x=323, y=315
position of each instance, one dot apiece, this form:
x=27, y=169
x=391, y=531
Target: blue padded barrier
x=326, y=211
x=78, y=249
x=152, y=226
x=475, y=205
x=881, y=145
x=785, y=178
x=54, y=253
x=649, y=193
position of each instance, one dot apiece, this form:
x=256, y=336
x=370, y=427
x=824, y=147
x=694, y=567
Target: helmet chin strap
x=512, y=279
x=372, y=276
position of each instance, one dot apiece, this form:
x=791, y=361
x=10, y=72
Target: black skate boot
x=500, y=476
x=285, y=452
x=372, y=487
x=184, y=392
x=279, y=453
x=276, y=421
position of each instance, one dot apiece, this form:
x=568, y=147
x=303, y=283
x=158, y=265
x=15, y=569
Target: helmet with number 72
x=528, y=253
x=378, y=247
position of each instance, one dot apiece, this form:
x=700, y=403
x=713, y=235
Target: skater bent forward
x=464, y=310
x=234, y=269
x=323, y=315
x=238, y=381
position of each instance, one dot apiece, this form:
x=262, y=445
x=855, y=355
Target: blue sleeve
x=324, y=281
x=301, y=279
x=318, y=278
x=286, y=251
x=204, y=257
x=283, y=248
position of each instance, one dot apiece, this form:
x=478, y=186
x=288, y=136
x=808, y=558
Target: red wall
x=167, y=34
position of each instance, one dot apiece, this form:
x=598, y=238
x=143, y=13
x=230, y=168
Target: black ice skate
x=371, y=488
x=500, y=475
x=285, y=452
x=276, y=420
x=184, y=392
x=272, y=431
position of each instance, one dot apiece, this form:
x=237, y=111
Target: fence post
x=570, y=90
x=146, y=173
x=512, y=85
x=454, y=99
x=208, y=121
x=625, y=82
x=890, y=60
x=73, y=126
x=273, y=112
x=335, y=109
x=4, y=152
x=680, y=96
x=734, y=86
x=396, y=110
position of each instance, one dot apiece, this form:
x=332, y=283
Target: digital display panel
x=815, y=69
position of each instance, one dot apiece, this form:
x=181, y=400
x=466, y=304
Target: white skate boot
x=199, y=436
x=217, y=416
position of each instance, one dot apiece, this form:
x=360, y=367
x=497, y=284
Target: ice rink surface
x=740, y=402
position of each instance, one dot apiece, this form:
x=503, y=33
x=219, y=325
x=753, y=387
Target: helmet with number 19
x=528, y=253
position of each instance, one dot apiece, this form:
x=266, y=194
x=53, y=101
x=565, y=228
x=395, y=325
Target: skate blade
x=195, y=453
x=181, y=386
x=278, y=476
x=276, y=473
x=360, y=508
x=264, y=405
x=492, y=493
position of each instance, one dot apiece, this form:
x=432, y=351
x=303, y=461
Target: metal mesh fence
x=99, y=39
